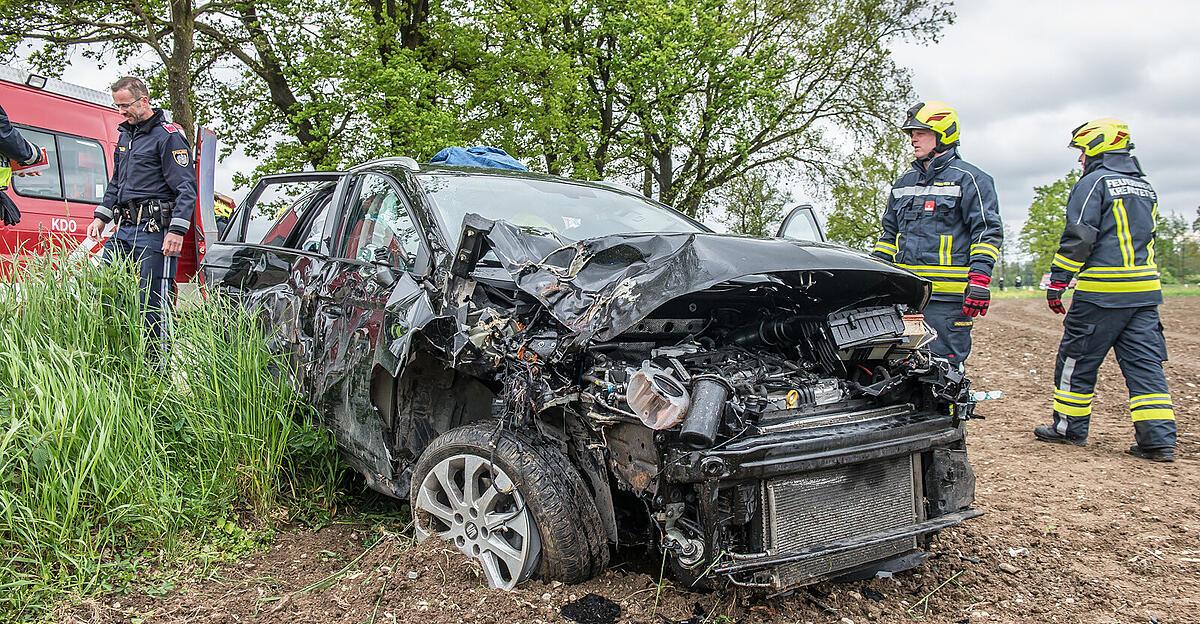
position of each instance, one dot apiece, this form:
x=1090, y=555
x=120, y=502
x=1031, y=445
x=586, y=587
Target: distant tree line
x=678, y=98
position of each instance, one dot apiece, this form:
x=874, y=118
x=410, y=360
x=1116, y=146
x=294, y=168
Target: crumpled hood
x=597, y=288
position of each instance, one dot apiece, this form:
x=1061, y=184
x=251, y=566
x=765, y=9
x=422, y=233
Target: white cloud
x=1023, y=74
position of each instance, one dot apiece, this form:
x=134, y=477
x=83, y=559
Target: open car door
x=282, y=216
x=204, y=221
x=802, y=224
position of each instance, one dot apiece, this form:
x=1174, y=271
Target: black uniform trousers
x=1089, y=332
x=953, y=330
x=156, y=282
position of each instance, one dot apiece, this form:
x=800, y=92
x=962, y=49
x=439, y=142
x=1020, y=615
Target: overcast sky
x=1022, y=74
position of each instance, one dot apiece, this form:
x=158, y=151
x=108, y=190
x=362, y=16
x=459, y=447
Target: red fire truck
x=78, y=128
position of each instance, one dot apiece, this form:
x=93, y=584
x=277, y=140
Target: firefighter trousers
x=1089, y=332
x=953, y=330
x=156, y=283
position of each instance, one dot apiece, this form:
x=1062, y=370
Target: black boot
x=1047, y=433
x=1159, y=454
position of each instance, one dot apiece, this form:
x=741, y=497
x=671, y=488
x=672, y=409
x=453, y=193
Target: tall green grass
x=105, y=456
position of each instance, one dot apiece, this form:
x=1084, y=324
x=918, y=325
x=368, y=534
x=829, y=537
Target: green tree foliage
x=362, y=79
x=121, y=28
x=1043, y=227
x=861, y=195
x=752, y=205
x=684, y=97
x=680, y=97
x=1176, y=249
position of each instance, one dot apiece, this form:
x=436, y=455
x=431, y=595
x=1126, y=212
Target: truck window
x=78, y=171
x=82, y=163
x=48, y=185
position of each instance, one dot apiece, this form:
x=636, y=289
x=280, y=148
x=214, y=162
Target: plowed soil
x=1070, y=534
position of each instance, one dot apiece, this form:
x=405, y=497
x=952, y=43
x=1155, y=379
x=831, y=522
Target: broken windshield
x=574, y=211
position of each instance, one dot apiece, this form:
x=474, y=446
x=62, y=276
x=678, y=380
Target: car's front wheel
x=517, y=506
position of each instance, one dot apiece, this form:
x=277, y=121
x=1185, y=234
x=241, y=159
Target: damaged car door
x=376, y=248
x=266, y=252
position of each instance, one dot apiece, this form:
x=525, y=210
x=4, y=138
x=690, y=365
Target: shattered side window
x=379, y=219
x=574, y=211
x=310, y=239
x=277, y=212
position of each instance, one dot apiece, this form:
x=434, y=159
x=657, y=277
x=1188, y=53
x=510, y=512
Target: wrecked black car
x=547, y=369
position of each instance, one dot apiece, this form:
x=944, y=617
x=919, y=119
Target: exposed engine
x=714, y=384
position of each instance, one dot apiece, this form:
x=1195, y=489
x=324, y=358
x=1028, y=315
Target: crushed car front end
x=763, y=411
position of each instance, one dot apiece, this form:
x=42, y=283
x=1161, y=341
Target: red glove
x=977, y=297
x=1054, y=296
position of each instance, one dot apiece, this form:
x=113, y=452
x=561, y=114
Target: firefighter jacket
x=153, y=162
x=943, y=222
x=13, y=146
x=1108, y=241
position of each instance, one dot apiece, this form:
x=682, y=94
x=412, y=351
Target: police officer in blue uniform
x=152, y=196
x=18, y=155
x=942, y=222
x=1108, y=246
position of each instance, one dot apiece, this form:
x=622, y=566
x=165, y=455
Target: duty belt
x=156, y=212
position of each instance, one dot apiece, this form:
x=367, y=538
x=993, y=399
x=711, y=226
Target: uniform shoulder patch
x=171, y=127
x=181, y=157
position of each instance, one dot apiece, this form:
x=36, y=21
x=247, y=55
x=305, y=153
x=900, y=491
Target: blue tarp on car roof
x=479, y=156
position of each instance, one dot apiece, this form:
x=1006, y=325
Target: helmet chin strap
x=933, y=153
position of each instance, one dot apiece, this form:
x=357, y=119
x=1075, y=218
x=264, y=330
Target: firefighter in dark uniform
x=1108, y=246
x=152, y=196
x=17, y=155
x=942, y=223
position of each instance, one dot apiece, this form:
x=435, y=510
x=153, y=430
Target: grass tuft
x=105, y=457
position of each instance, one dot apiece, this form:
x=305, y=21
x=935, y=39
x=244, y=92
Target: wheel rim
x=472, y=503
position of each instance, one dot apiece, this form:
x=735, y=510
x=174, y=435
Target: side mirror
x=384, y=274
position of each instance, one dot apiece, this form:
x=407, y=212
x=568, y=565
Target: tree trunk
x=179, y=66
x=665, y=175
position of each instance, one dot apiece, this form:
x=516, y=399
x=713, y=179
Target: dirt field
x=1070, y=534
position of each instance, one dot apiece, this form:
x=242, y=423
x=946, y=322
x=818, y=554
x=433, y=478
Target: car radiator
x=839, y=504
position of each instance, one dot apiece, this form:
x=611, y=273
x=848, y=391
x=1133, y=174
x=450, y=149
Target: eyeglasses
x=125, y=106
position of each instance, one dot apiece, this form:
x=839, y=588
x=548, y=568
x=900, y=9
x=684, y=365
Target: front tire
x=517, y=506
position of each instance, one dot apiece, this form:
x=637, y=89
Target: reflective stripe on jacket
x=943, y=223
x=1109, y=237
